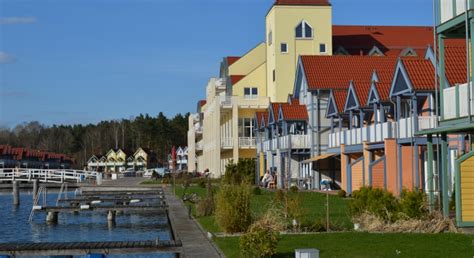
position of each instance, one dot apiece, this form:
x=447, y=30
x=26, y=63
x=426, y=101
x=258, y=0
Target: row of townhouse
x=11, y=157
x=363, y=113
x=118, y=160
x=223, y=128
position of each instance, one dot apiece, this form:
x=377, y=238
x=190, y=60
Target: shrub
x=294, y=189
x=341, y=193
x=262, y=238
x=256, y=190
x=413, y=204
x=376, y=201
x=241, y=173
x=233, y=208
x=165, y=181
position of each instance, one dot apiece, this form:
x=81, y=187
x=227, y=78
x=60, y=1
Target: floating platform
x=84, y=248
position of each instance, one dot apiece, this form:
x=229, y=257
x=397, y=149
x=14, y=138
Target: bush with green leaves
x=233, y=214
x=376, y=201
x=241, y=173
x=202, y=183
x=413, y=204
x=262, y=238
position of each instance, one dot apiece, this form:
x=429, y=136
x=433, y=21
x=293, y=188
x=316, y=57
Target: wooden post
x=52, y=217
x=111, y=216
x=35, y=188
x=16, y=193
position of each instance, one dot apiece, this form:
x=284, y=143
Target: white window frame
x=325, y=48
x=281, y=46
x=251, y=95
x=303, y=32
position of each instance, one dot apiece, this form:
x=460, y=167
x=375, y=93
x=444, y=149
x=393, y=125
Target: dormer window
x=304, y=31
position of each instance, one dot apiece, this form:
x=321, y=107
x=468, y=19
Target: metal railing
x=226, y=142
x=49, y=175
x=247, y=142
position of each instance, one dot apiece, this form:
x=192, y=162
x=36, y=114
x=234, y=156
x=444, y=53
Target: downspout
x=468, y=65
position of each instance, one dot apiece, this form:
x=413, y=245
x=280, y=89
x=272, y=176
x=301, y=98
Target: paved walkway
x=195, y=242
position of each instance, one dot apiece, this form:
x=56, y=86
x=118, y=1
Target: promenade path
x=194, y=240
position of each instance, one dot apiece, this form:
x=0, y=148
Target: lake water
x=90, y=226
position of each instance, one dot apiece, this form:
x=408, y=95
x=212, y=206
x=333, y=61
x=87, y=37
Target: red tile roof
x=303, y=2
x=340, y=99
x=420, y=72
x=383, y=89
x=232, y=59
x=202, y=103
x=259, y=116
x=236, y=78
x=294, y=111
x=391, y=40
x=362, y=90
x=455, y=61
x=336, y=72
x=275, y=106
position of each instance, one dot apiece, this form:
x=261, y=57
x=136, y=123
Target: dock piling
x=52, y=217
x=16, y=193
x=35, y=188
x=111, y=216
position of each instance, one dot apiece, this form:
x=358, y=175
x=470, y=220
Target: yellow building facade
x=222, y=129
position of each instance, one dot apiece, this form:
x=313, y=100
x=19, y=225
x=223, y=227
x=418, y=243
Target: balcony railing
x=226, y=143
x=380, y=132
x=283, y=142
x=243, y=102
x=247, y=142
x=449, y=9
x=456, y=102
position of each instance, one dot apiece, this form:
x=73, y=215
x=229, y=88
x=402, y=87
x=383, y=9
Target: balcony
x=287, y=142
x=226, y=143
x=244, y=102
x=380, y=132
x=198, y=128
x=456, y=102
x=450, y=9
x=247, y=142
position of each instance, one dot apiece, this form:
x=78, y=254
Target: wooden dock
x=159, y=207
x=84, y=248
x=195, y=242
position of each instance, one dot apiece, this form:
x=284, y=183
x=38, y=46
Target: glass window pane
x=284, y=48
x=246, y=91
x=255, y=91
x=299, y=30
x=322, y=48
x=308, y=31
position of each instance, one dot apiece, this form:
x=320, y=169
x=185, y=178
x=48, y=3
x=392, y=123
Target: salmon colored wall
x=391, y=165
x=378, y=175
x=356, y=172
x=408, y=181
x=344, y=161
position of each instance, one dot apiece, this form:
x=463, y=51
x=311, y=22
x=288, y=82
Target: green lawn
x=367, y=245
x=313, y=203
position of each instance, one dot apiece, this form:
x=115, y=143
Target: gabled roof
x=336, y=72
x=232, y=59
x=294, y=111
x=236, y=78
x=262, y=119
x=390, y=40
x=420, y=72
x=303, y=2
x=362, y=90
x=336, y=103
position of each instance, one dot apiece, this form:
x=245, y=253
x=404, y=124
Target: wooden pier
x=84, y=248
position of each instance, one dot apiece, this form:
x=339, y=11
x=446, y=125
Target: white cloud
x=17, y=20
x=6, y=58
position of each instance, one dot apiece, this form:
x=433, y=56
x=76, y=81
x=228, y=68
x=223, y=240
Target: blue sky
x=81, y=61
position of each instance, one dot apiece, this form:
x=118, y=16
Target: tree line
x=82, y=141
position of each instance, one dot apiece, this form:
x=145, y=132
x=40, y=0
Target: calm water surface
x=90, y=226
